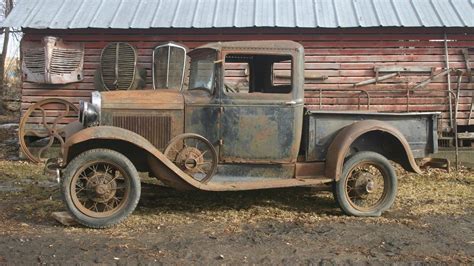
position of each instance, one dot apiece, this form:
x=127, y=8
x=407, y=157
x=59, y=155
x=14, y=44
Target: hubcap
x=100, y=189
x=365, y=186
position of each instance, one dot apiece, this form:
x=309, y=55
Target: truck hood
x=143, y=99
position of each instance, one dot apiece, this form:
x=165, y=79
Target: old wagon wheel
x=39, y=130
x=193, y=154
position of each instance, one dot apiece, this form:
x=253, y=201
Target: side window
x=236, y=79
x=247, y=73
x=282, y=73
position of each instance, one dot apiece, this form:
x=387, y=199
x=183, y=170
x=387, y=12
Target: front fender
x=340, y=146
x=157, y=161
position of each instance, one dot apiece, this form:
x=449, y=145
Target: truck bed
x=320, y=128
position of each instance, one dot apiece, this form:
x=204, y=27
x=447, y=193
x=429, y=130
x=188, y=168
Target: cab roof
x=283, y=45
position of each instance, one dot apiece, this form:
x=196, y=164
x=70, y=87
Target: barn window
x=169, y=62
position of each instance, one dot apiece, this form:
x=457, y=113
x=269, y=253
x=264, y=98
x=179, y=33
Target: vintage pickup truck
x=216, y=135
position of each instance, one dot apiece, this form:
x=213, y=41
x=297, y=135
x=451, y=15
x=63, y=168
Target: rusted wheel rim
x=45, y=129
x=367, y=186
x=194, y=155
x=100, y=189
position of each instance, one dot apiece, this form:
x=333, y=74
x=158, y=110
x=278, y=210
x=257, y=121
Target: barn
x=376, y=55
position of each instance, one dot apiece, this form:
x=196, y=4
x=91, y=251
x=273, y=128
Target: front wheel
x=100, y=188
x=367, y=186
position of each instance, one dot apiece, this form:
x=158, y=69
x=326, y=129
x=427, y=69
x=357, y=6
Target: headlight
x=89, y=113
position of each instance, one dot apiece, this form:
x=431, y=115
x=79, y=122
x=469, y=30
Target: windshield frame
x=209, y=55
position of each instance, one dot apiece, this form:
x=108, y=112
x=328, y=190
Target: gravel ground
x=432, y=221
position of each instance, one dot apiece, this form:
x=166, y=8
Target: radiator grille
x=65, y=61
x=118, y=65
x=156, y=129
x=34, y=60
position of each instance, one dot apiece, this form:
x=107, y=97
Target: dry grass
x=433, y=193
x=436, y=192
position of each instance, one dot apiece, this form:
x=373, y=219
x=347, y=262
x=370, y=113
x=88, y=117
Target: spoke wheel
x=367, y=186
x=193, y=154
x=100, y=188
x=40, y=128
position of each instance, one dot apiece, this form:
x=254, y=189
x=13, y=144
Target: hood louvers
x=52, y=61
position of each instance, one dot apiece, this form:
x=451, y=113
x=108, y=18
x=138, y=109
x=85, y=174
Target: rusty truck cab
x=253, y=121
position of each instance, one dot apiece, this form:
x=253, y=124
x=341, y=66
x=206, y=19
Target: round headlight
x=88, y=114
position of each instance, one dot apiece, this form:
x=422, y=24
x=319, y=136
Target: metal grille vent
x=52, y=61
x=169, y=63
x=118, y=66
x=156, y=129
x=65, y=61
x=34, y=60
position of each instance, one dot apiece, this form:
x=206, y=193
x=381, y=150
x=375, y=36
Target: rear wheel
x=100, y=188
x=368, y=185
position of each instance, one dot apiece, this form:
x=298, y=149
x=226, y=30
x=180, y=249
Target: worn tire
x=389, y=191
x=108, y=156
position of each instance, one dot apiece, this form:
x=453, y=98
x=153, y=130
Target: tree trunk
x=6, y=32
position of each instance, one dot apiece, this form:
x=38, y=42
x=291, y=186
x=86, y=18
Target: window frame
x=259, y=53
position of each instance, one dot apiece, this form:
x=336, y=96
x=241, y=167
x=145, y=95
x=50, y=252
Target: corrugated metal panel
x=144, y=14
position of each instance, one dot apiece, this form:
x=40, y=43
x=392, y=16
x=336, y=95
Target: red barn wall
x=346, y=56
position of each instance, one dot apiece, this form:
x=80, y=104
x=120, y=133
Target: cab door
x=260, y=119
x=202, y=102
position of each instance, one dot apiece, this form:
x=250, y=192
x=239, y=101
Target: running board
x=262, y=184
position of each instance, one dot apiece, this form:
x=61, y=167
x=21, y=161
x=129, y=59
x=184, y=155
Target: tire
x=100, y=188
x=360, y=181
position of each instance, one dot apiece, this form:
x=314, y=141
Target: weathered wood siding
x=346, y=56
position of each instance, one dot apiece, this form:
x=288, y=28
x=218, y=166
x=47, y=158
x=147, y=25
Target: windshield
x=202, y=71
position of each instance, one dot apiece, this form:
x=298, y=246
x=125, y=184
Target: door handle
x=290, y=103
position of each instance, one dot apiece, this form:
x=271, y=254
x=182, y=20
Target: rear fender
x=340, y=147
x=161, y=166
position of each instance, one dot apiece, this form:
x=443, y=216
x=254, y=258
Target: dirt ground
x=431, y=221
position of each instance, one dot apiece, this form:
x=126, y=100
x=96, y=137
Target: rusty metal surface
x=47, y=131
x=310, y=169
x=341, y=144
x=166, y=170
x=257, y=135
x=52, y=61
x=257, y=46
x=262, y=127
x=143, y=100
x=419, y=129
x=157, y=126
x=193, y=154
x=157, y=115
x=157, y=129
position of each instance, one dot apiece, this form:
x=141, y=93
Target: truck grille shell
x=156, y=129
